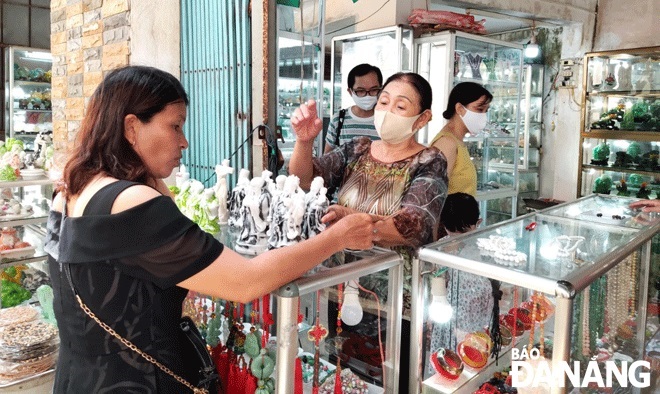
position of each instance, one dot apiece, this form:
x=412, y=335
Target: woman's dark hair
x=102, y=146
x=460, y=211
x=362, y=70
x=421, y=85
x=465, y=93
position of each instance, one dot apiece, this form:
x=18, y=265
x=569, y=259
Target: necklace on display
x=503, y=250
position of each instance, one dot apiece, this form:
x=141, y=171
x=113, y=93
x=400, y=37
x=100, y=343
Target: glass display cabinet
x=307, y=327
x=529, y=141
x=28, y=106
x=620, y=135
x=389, y=49
x=299, y=80
x=24, y=207
x=573, y=281
x=377, y=271
x=448, y=58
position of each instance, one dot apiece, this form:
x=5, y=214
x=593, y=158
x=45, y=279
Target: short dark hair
x=102, y=147
x=460, y=211
x=465, y=93
x=361, y=70
x=419, y=83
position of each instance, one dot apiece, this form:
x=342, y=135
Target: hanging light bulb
x=532, y=48
x=351, y=310
x=440, y=310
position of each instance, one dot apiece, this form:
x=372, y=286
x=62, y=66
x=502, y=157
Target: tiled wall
x=88, y=38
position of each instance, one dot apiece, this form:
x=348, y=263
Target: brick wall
x=88, y=38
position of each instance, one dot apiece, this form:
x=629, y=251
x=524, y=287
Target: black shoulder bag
x=340, y=124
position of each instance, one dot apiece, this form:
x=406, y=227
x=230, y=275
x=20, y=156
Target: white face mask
x=366, y=103
x=474, y=121
x=393, y=128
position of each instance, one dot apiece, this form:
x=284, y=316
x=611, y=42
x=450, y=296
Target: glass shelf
x=570, y=254
x=28, y=93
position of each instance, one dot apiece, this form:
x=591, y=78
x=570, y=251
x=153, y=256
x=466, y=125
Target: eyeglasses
x=371, y=92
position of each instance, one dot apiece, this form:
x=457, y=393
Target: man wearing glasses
x=364, y=84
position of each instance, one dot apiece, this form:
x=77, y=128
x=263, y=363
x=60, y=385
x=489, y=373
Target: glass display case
x=28, y=104
x=389, y=49
x=24, y=207
x=620, y=135
x=573, y=282
x=529, y=141
x=300, y=79
x=448, y=58
x=379, y=274
x=307, y=327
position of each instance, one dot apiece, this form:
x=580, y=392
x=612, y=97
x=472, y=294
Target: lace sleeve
x=175, y=261
x=422, y=203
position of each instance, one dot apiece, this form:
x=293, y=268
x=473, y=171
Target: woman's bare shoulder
x=134, y=196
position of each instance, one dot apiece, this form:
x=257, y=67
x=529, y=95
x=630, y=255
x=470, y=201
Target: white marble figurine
x=279, y=212
x=316, y=208
x=222, y=190
x=254, y=212
x=236, y=200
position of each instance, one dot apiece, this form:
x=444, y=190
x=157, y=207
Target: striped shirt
x=354, y=126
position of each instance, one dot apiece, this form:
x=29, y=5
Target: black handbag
x=207, y=373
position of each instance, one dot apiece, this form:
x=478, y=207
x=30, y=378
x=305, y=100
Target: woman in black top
x=133, y=256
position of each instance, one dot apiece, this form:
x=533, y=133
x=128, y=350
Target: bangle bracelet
x=472, y=356
x=515, y=326
x=447, y=364
x=479, y=340
x=524, y=316
x=505, y=335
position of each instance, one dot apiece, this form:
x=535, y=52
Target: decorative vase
x=475, y=62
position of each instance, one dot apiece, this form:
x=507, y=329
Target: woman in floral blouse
x=399, y=181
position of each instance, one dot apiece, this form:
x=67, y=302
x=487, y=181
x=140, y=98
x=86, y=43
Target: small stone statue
x=279, y=212
x=295, y=215
x=316, y=208
x=182, y=176
x=222, y=190
x=268, y=180
x=254, y=212
x=236, y=200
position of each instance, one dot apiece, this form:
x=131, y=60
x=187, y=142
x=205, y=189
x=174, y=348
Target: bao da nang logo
x=530, y=370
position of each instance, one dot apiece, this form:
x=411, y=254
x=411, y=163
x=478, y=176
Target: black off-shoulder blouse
x=125, y=267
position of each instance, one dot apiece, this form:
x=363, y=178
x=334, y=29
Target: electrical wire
x=248, y=138
x=360, y=21
x=380, y=339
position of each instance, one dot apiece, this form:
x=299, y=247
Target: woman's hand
x=305, y=122
x=646, y=205
x=335, y=213
x=355, y=231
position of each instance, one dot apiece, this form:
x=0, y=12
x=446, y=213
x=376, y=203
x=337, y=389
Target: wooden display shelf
x=619, y=169
x=648, y=136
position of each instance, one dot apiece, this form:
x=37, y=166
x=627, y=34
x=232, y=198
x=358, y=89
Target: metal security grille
x=215, y=70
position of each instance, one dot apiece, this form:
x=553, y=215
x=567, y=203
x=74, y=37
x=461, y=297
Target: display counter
x=582, y=267
x=308, y=324
x=360, y=265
